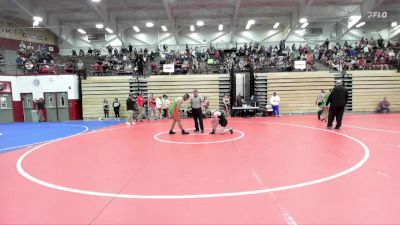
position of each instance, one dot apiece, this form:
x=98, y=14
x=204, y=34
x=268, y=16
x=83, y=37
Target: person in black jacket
x=130, y=107
x=337, y=101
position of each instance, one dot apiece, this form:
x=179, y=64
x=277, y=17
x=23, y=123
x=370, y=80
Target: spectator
x=106, y=108
x=165, y=106
x=116, y=106
x=159, y=102
x=130, y=106
x=141, y=108
x=274, y=101
x=320, y=103
x=41, y=108
x=152, y=107
x=227, y=104
x=383, y=106
x=337, y=101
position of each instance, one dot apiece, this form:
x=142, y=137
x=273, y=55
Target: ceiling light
x=303, y=20
x=149, y=24
x=99, y=26
x=191, y=28
x=200, y=23
x=96, y=0
x=37, y=18
x=393, y=24
x=221, y=27
x=136, y=28
x=248, y=26
x=304, y=25
x=35, y=23
x=109, y=30
x=164, y=28
x=82, y=31
x=251, y=22
x=300, y=32
x=276, y=25
x=360, y=24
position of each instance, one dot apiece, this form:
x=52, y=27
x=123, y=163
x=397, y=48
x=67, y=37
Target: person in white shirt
x=165, y=106
x=274, y=100
x=159, y=102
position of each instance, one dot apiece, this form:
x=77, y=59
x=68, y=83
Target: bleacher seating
x=298, y=91
x=369, y=88
x=95, y=89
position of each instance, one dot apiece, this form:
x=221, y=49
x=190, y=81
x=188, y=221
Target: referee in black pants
x=337, y=101
x=197, y=113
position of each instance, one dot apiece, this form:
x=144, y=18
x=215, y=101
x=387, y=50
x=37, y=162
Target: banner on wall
x=169, y=68
x=301, y=65
x=5, y=87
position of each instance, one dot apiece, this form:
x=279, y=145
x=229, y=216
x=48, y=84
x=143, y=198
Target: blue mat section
x=15, y=136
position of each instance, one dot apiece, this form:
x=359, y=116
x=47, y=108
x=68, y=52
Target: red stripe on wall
x=18, y=111
x=75, y=112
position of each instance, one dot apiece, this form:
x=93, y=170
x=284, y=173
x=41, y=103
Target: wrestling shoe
x=212, y=132
x=172, y=132
x=185, y=132
x=231, y=130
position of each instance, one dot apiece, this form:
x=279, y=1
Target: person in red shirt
x=362, y=64
x=152, y=107
x=141, y=109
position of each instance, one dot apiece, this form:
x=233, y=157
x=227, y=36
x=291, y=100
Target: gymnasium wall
x=38, y=85
x=298, y=90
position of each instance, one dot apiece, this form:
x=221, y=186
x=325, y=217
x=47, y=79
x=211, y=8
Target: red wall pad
x=75, y=112
x=18, y=111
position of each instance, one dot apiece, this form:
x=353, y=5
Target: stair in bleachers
x=224, y=88
x=347, y=80
x=261, y=91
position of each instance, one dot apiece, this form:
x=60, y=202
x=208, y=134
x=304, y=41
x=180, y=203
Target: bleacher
x=369, y=88
x=298, y=90
x=95, y=89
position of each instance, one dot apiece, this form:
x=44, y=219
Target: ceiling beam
x=172, y=20
x=106, y=19
x=365, y=7
x=27, y=9
x=234, y=19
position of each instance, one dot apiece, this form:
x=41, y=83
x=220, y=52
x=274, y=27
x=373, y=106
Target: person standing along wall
x=337, y=101
x=152, y=107
x=41, y=107
x=275, y=100
x=106, y=108
x=320, y=103
x=130, y=107
x=141, y=109
x=116, y=105
x=165, y=106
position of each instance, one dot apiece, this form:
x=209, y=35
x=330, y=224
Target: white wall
x=47, y=83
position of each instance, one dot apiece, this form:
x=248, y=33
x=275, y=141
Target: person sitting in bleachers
x=383, y=106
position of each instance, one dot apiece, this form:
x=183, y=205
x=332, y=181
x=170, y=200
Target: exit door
x=6, y=109
x=57, y=106
x=27, y=100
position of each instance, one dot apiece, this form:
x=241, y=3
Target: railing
x=35, y=69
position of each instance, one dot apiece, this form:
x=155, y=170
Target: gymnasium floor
x=287, y=170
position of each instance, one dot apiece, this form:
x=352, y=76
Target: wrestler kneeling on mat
x=219, y=118
x=174, y=110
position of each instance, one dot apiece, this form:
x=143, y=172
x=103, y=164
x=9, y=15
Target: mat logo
x=377, y=15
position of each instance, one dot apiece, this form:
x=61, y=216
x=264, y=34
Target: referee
x=197, y=113
x=337, y=101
